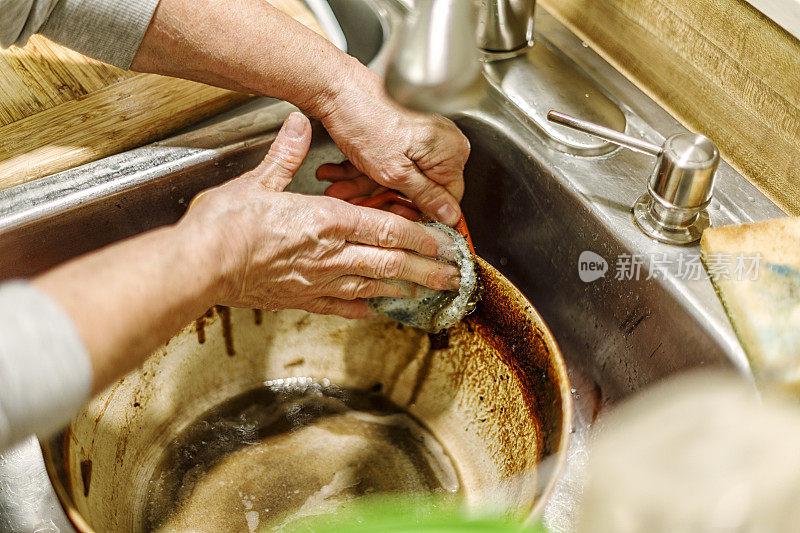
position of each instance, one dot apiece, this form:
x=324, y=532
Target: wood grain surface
x=719, y=66
x=60, y=109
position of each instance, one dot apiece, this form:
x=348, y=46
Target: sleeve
x=108, y=30
x=19, y=19
x=45, y=372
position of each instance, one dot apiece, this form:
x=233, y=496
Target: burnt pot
x=494, y=392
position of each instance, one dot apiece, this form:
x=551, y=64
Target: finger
x=379, y=263
x=405, y=212
x=383, y=229
x=455, y=185
x=286, y=154
x=431, y=198
x=336, y=306
x=345, y=190
x=354, y=287
x=444, y=157
x=357, y=200
x=338, y=171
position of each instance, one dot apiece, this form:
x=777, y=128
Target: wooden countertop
x=60, y=109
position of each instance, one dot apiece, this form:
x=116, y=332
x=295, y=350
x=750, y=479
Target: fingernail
x=447, y=215
x=295, y=125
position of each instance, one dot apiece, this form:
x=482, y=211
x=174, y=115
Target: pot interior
x=248, y=419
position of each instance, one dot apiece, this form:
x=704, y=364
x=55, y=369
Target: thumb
x=286, y=154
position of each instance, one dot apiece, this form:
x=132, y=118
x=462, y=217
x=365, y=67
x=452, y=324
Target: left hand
x=420, y=155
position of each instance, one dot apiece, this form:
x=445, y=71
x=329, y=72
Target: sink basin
x=532, y=211
x=623, y=334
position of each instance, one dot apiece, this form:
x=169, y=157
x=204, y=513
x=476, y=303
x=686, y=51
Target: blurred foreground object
x=756, y=271
x=386, y=514
x=700, y=453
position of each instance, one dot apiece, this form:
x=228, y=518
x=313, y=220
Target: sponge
x=434, y=310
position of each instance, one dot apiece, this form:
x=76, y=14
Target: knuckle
x=364, y=289
x=396, y=176
x=322, y=306
x=288, y=157
x=431, y=279
x=388, y=233
x=392, y=265
x=432, y=194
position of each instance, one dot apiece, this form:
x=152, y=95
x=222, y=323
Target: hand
x=420, y=155
x=352, y=186
x=280, y=250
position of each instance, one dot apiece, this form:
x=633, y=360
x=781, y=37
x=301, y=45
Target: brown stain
x=296, y=362
x=227, y=330
x=258, y=316
x=200, y=325
x=86, y=476
x=66, y=443
x=440, y=341
x=303, y=322
x=504, y=320
x=422, y=376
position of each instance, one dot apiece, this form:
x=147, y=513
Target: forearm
x=247, y=46
x=129, y=298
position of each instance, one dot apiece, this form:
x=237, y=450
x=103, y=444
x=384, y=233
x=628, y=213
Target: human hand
x=278, y=250
x=350, y=185
x=420, y=155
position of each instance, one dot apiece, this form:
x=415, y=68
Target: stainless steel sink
x=532, y=211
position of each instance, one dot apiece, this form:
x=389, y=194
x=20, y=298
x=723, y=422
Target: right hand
x=278, y=250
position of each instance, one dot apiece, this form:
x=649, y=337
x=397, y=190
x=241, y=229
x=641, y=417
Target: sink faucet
x=448, y=53
x=505, y=27
x=435, y=63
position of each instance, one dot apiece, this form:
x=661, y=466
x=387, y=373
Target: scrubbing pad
x=434, y=310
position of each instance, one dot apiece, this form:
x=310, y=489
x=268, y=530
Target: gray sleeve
x=108, y=30
x=19, y=19
x=45, y=372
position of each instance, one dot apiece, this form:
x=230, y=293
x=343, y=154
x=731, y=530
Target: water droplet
x=586, y=95
x=584, y=44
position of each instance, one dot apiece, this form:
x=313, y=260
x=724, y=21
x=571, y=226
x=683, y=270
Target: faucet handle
x=680, y=187
x=607, y=134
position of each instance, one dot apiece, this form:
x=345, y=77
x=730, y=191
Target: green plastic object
x=408, y=515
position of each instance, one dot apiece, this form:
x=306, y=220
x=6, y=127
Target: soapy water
x=292, y=449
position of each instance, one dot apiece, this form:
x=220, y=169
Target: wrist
x=349, y=85
x=204, y=251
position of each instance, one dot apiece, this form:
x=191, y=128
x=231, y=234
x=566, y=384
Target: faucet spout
x=505, y=27
x=434, y=64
